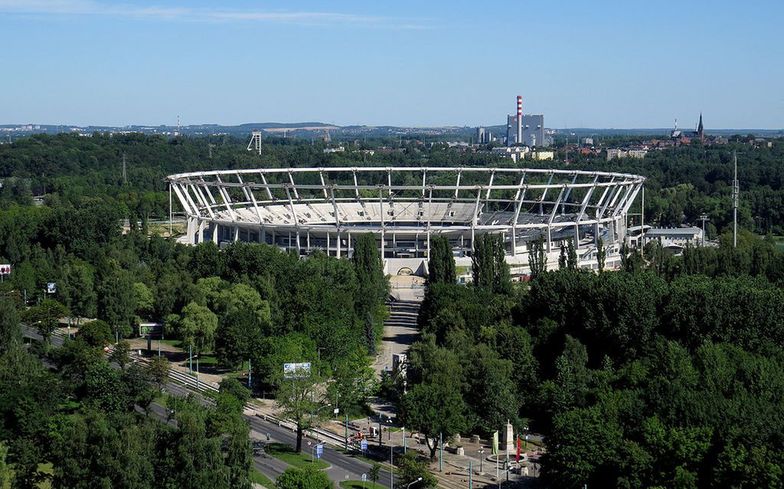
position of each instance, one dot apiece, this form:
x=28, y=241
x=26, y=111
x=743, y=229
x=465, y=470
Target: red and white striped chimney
x=519, y=119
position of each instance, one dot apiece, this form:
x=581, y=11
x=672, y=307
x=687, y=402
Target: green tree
x=5, y=471
x=243, y=319
x=121, y=354
x=158, y=370
x=441, y=263
x=434, y=409
x=410, y=469
x=307, y=478
x=144, y=300
x=571, y=256
x=601, y=254
x=78, y=290
x=116, y=300
x=45, y=317
x=373, y=287
x=488, y=264
x=537, y=257
x=96, y=333
x=374, y=472
x=197, y=327
x=299, y=398
x=10, y=328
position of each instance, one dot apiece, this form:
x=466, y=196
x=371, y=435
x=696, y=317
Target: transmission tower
x=255, y=142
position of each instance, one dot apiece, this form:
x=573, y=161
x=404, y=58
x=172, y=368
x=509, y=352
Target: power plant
x=525, y=130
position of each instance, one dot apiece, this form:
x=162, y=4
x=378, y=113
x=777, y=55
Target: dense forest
x=244, y=303
x=682, y=184
x=652, y=376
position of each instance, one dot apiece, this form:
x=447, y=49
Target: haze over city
x=604, y=64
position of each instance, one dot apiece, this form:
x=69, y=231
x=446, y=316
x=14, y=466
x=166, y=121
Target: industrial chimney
x=519, y=119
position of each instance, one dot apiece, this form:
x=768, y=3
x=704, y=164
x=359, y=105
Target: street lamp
x=412, y=483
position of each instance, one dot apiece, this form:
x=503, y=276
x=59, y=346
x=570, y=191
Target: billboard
x=5, y=269
x=296, y=370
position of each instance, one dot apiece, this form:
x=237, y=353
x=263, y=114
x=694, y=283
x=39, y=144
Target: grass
x=361, y=485
x=299, y=460
x=259, y=478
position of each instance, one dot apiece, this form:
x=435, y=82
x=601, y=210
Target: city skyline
x=603, y=65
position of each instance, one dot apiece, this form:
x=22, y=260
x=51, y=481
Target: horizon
x=600, y=65
x=300, y=124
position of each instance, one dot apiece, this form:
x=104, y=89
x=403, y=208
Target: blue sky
x=630, y=63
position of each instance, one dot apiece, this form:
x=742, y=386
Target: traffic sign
x=363, y=445
x=5, y=269
x=364, y=477
x=319, y=451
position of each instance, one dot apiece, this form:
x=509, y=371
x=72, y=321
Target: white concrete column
x=200, y=236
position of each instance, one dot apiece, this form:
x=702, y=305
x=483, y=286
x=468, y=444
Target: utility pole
x=735, y=192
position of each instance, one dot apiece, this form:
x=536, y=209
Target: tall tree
x=441, y=264
x=10, y=330
x=78, y=290
x=601, y=254
x=537, y=257
x=488, y=264
x=300, y=397
x=373, y=286
x=197, y=326
x=116, y=300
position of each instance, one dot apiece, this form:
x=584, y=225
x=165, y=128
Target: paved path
x=400, y=332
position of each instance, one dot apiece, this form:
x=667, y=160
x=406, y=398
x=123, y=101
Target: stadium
x=309, y=209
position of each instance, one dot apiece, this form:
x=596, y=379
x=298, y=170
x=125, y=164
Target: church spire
x=700, y=129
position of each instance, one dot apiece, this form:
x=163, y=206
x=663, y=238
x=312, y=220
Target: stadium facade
x=309, y=209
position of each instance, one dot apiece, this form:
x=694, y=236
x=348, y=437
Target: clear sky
x=620, y=64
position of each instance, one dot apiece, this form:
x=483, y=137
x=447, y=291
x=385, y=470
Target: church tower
x=701, y=130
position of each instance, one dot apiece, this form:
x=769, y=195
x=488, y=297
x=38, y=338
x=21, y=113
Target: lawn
x=259, y=478
x=300, y=460
x=361, y=485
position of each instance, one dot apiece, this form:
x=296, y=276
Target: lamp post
x=389, y=430
x=419, y=479
x=391, y=466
